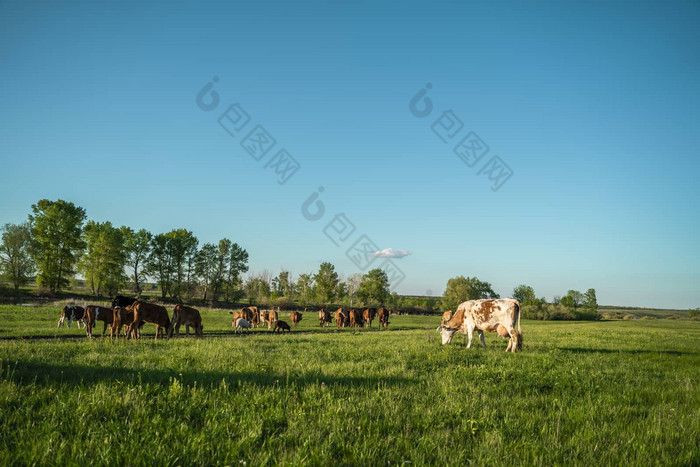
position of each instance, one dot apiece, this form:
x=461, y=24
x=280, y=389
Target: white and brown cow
x=71, y=313
x=485, y=315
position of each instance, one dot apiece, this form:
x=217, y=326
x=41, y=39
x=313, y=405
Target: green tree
x=102, y=264
x=183, y=247
x=460, y=289
x=374, y=288
x=56, y=232
x=137, y=246
x=16, y=262
x=326, y=280
x=160, y=263
x=237, y=265
x=590, y=301
x=576, y=298
x=305, y=288
x=206, y=267
x=524, y=294
x=257, y=287
x=352, y=285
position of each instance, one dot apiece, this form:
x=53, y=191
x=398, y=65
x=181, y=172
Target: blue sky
x=594, y=106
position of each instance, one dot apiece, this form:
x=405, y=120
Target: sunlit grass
x=579, y=393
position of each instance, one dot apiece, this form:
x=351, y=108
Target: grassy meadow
x=583, y=393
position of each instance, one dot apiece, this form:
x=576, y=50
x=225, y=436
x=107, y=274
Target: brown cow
x=121, y=317
x=355, y=318
x=150, y=313
x=368, y=315
x=383, y=316
x=341, y=318
x=324, y=317
x=295, y=316
x=273, y=318
x=94, y=313
x=281, y=326
x=446, y=316
x=265, y=318
x=189, y=317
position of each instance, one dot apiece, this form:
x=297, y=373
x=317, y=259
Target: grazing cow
x=446, y=316
x=324, y=317
x=383, y=316
x=273, y=318
x=281, y=326
x=341, y=318
x=368, y=315
x=95, y=313
x=122, y=301
x=355, y=318
x=295, y=316
x=71, y=313
x=240, y=324
x=121, y=316
x=189, y=317
x=485, y=315
x=150, y=313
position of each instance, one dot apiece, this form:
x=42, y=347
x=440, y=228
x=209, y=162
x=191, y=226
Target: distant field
x=580, y=393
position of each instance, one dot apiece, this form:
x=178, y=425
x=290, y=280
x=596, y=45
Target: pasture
x=580, y=393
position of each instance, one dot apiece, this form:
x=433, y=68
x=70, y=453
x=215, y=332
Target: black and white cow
x=71, y=313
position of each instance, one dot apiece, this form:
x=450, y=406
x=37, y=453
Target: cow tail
x=520, y=331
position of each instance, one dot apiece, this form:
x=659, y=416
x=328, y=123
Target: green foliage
x=56, y=228
x=579, y=394
x=460, y=289
x=590, y=302
x=137, y=246
x=16, y=265
x=305, y=289
x=374, y=288
x=326, y=280
x=102, y=264
x=524, y=294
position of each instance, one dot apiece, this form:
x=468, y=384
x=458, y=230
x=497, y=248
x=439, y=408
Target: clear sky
x=594, y=106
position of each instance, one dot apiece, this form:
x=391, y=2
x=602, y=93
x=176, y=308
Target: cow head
x=446, y=333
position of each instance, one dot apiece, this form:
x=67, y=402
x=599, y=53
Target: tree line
x=56, y=243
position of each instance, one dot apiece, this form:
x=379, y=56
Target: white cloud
x=391, y=253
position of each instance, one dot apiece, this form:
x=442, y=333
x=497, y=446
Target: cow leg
x=513, y=344
x=69, y=323
x=104, y=329
x=177, y=330
x=470, y=334
x=481, y=337
x=60, y=322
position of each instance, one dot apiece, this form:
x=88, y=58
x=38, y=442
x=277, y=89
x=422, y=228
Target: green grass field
x=616, y=392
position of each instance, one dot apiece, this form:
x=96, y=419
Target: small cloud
x=391, y=253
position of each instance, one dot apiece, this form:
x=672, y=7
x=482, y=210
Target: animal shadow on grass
x=29, y=372
x=583, y=350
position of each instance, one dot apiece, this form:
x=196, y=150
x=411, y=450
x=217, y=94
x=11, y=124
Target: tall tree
x=281, y=284
x=524, y=294
x=137, y=246
x=160, y=263
x=16, y=263
x=374, y=288
x=576, y=298
x=326, y=280
x=305, y=288
x=460, y=289
x=102, y=265
x=183, y=246
x=352, y=285
x=56, y=231
x=206, y=267
x=590, y=301
x=237, y=265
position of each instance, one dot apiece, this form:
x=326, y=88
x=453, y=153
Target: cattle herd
x=129, y=314
x=491, y=315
